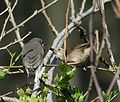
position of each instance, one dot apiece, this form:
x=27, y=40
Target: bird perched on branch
x=76, y=55
x=32, y=55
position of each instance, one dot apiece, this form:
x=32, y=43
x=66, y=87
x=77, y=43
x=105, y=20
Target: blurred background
x=40, y=28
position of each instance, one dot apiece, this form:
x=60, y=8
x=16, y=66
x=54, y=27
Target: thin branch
x=66, y=32
x=95, y=100
x=106, y=34
x=16, y=72
x=48, y=19
x=116, y=77
x=72, y=10
x=8, y=99
x=36, y=12
x=97, y=42
x=15, y=42
x=8, y=93
x=99, y=92
x=82, y=6
x=6, y=21
x=91, y=58
x=4, y=11
x=12, y=19
x=89, y=89
x=14, y=67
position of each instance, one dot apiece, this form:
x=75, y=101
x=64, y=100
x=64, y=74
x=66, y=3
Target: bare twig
x=99, y=92
x=12, y=19
x=82, y=6
x=106, y=34
x=91, y=59
x=14, y=67
x=16, y=72
x=116, y=77
x=66, y=32
x=6, y=21
x=48, y=19
x=72, y=10
x=30, y=17
x=89, y=89
x=8, y=93
x=95, y=100
x=15, y=42
x=97, y=42
x=4, y=11
x=8, y=99
x=91, y=56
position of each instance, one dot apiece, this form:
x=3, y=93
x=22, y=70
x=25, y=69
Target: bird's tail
x=30, y=75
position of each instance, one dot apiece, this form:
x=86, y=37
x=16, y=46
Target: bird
x=76, y=55
x=32, y=56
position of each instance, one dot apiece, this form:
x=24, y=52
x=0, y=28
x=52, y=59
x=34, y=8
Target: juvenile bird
x=76, y=55
x=32, y=55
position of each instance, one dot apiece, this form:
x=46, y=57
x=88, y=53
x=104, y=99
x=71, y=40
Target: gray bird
x=32, y=55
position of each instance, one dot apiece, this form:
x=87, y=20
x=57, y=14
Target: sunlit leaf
x=2, y=74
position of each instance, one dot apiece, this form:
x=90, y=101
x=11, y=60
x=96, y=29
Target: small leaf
x=71, y=72
x=2, y=74
x=20, y=92
x=64, y=68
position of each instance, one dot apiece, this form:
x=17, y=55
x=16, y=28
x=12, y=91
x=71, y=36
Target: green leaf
x=78, y=95
x=68, y=74
x=20, y=92
x=71, y=72
x=2, y=74
x=64, y=68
